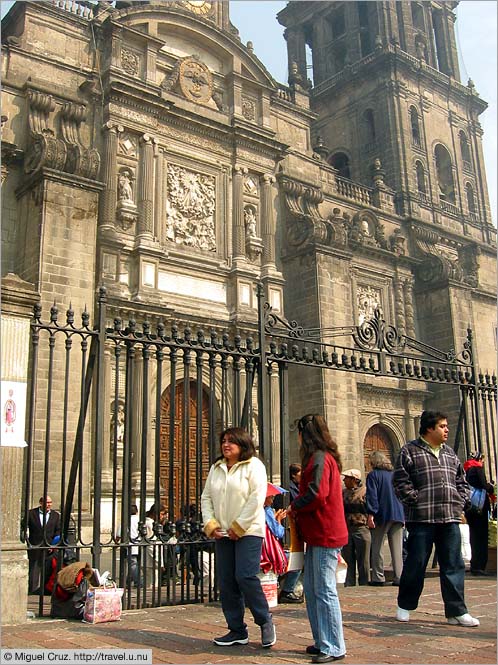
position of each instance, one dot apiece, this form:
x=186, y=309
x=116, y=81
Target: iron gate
x=129, y=414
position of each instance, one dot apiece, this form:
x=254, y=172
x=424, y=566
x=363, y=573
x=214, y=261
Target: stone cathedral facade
x=147, y=149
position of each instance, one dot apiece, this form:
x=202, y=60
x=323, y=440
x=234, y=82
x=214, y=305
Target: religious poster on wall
x=13, y=401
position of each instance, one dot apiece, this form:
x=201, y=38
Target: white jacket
x=234, y=499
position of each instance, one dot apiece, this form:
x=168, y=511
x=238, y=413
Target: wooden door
x=377, y=438
x=186, y=483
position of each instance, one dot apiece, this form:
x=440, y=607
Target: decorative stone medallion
x=196, y=81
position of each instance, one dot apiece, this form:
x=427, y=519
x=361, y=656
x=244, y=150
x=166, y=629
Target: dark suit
x=36, y=538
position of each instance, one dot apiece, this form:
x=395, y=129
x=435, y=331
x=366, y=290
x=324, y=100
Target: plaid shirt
x=431, y=490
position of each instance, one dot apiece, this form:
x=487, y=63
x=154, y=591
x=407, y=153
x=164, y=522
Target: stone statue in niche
x=117, y=430
x=365, y=228
x=126, y=210
x=190, y=208
x=250, y=221
x=125, y=191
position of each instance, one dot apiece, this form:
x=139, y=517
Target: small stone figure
x=125, y=192
x=250, y=222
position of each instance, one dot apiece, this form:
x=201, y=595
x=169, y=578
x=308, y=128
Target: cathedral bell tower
x=386, y=85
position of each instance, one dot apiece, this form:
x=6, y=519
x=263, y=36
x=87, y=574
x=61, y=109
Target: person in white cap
x=357, y=551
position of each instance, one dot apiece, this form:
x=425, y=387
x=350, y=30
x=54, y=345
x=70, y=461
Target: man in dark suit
x=44, y=524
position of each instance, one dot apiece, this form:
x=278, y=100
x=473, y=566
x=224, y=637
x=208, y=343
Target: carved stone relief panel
x=190, y=208
x=128, y=145
x=367, y=299
x=249, y=108
x=130, y=61
x=251, y=185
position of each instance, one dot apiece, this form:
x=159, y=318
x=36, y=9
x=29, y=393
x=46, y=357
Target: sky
x=476, y=31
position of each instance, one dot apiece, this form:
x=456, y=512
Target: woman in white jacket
x=232, y=511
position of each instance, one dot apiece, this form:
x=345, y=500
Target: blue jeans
x=290, y=581
x=446, y=538
x=322, y=601
x=237, y=568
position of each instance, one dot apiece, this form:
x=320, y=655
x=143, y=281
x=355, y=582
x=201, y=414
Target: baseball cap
x=352, y=473
x=273, y=490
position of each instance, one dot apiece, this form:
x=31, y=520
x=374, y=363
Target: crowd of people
x=417, y=504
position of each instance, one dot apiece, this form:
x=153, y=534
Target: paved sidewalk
x=183, y=634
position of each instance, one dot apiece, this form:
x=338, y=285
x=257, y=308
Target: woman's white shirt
x=234, y=498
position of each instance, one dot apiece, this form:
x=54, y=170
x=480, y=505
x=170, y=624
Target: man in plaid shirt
x=430, y=483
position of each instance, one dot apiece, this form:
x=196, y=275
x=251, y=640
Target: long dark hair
x=243, y=439
x=315, y=436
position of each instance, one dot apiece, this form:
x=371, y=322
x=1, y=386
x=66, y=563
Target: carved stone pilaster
x=238, y=212
x=146, y=187
x=409, y=312
x=107, y=212
x=267, y=220
x=399, y=305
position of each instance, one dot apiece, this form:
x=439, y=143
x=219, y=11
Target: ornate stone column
x=238, y=213
x=108, y=197
x=146, y=188
x=160, y=206
x=267, y=222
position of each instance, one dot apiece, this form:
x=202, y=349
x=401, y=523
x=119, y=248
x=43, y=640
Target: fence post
x=263, y=387
x=99, y=428
x=474, y=392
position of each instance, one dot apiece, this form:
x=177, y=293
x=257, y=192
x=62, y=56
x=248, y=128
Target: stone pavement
x=183, y=634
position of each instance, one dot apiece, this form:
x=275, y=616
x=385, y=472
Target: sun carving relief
x=190, y=208
x=196, y=81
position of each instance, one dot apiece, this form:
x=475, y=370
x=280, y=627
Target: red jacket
x=319, y=508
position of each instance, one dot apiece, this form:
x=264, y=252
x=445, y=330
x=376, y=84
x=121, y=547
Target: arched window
x=415, y=126
x=369, y=126
x=464, y=149
x=340, y=161
x=471, y=202
x=420, y=174
x=444, y=174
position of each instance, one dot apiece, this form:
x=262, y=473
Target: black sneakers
x=231, y=638
x=268, y=634
x=290, y=597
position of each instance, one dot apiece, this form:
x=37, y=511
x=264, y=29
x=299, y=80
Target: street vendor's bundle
x=70, y=590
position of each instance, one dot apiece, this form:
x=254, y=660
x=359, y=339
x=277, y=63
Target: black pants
x=446, y=538
x=478, y=530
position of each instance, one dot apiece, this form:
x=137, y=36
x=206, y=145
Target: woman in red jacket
x=319, y=514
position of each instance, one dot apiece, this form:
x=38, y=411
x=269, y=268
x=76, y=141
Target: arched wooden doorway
x=377, y=438
x=189, y=455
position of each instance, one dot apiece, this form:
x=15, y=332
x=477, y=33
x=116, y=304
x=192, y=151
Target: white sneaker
x=402, y=615
x=463, y=620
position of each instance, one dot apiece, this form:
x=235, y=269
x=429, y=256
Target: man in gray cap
x=357, y=551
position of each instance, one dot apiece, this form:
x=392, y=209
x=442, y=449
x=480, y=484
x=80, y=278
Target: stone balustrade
x=353, y=190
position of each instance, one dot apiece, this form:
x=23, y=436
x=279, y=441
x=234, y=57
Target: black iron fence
x=125, y=417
